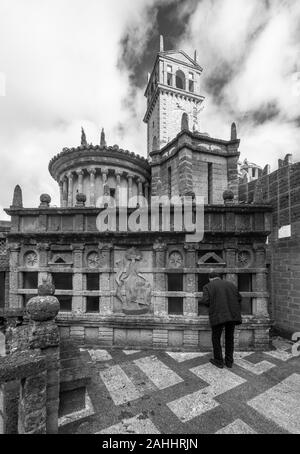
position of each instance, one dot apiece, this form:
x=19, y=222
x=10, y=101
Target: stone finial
x=288, y=160
x=266, y=170
x=195, y=56
x=17, y=198
x=83, y=137
x=228, y=196
x=46, y=288
x=102, y=139
x=42, y=308
x=45, y=200
x=80, y=199
x=161, y=43
x=184, y=122
x=233, y=132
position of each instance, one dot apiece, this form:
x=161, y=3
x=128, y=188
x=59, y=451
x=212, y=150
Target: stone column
x=70, y=189
x=80, y=180
x=78, y=305
x=141, y=182
x=118, y=185
x=105, y=185
x=65, y=192
x=129, y=182
x=92, y=173
x=15, y=300
x=43, y=335
x=61, y=192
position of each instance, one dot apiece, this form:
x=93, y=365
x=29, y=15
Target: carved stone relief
x=133, y=289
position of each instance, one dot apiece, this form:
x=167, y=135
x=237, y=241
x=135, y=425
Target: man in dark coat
x=224, y=302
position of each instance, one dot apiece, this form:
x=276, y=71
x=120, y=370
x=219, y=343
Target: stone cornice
x=89, y=155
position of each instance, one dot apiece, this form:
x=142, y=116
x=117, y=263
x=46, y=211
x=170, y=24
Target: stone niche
x=133, y=281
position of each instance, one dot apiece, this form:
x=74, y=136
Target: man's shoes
x=217, y=363
x=228, y=364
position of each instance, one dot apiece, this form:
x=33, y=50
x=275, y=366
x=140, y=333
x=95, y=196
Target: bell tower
x=173, y=88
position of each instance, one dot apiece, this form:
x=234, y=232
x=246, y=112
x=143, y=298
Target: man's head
x=213, y=276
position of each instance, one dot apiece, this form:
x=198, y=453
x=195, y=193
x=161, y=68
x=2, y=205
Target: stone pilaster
x=80, y=180
x=106, y=302
x=14, y=299
x=190, y=303
x=43, y=250
x=160, y=302
x=231, y=263
x=260, y=304
x=78, y=302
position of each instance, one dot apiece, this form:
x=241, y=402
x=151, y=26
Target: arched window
x=180, y=80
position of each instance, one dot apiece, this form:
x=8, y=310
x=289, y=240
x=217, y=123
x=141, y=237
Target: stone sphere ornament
x=45, y=306
x=42, y=308
x=45, y=200
x=46, y=288
x=228, y=196
x=80, y=199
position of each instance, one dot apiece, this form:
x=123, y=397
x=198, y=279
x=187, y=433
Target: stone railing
x=23, y=380
x=29, y=374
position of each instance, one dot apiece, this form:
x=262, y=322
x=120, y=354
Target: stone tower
x=173, y=89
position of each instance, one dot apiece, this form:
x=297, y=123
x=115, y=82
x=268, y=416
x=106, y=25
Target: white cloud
x=253, y=48
x=60, y=59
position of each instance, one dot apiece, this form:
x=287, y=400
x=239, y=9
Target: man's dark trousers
x=229, y=342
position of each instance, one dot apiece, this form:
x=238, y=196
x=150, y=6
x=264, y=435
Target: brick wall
x=281, y=188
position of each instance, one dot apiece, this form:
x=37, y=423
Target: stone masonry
x=281, y=189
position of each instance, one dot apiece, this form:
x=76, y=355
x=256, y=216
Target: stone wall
x=281, y=189
x=196, y=163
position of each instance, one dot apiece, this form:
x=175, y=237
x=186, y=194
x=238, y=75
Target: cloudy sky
x=73, y=63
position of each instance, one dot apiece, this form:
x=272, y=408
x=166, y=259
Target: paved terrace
x=161, y=392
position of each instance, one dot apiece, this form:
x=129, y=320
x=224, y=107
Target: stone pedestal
x=43, y=336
